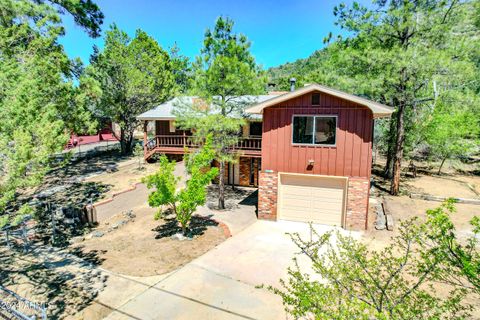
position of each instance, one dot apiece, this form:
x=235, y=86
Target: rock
x=180, y=237
x=77, y=239
x=390, y=223
x=97, y=234
x=118, y=224
x=380, y=223
x=129, y=214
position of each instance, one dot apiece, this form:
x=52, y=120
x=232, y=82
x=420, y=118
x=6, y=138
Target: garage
x=312, y=198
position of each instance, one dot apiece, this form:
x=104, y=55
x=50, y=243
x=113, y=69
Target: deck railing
x=173, y=141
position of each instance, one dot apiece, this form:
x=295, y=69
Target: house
x=170, y=140
x=309, y=151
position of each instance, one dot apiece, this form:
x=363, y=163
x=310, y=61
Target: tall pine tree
x=224, y=70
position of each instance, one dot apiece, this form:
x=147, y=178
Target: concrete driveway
x=221, y=283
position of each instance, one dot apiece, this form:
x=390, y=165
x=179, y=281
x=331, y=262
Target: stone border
x=105, y=201
x=222, y=225
x=425, y=196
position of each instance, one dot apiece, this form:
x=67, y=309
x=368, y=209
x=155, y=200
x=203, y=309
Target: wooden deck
x=174, y=144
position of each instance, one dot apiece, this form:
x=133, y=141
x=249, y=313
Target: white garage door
x=310, y=198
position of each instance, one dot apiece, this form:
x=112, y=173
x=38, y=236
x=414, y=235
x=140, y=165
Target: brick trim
x=267, y=195
x=358, y=192
x=356, y=211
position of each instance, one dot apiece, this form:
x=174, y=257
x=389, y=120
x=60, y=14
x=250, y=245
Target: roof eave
x=148, y=118
x=372, y=105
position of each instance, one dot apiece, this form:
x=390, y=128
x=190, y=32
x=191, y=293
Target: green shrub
x=183, y=201
x=397, y=282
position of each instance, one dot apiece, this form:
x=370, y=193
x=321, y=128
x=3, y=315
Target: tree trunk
x=123, y=145
x=126, y=139
x=387, y=173
x=221, y=186
x=398, y=150
x=441, y=165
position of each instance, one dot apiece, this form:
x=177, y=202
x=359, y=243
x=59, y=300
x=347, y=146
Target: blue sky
x=280, y=31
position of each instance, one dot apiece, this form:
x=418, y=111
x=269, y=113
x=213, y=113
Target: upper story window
x=315, y=130
x=315, y=99
x=255, y=128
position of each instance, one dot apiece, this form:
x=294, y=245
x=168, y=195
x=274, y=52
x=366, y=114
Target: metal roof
x=253, y=105
x=164, y=111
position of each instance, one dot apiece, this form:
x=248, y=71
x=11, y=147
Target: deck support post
x=145, y=125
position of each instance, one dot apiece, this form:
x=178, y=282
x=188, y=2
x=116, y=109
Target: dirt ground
x=452, y=183
x=144, y=247
x=123, y=177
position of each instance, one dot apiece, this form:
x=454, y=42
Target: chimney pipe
x=292, y=84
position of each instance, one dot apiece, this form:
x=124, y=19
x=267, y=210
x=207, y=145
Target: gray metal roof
x=164, y=111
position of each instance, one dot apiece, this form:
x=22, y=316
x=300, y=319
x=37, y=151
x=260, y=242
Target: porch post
x=233, y=175
x=145, y=125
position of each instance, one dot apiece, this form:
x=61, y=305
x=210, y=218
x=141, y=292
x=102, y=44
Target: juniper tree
x=39, y=101
x=132, y=76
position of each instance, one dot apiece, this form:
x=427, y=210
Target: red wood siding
x=352, y=155
x=162, y=128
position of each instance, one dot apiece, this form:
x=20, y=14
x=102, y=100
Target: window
x=255, y=128
x=315, y=99
x=171, y=126
x=319, y=130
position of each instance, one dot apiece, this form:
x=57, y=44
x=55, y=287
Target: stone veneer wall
x=357, y=200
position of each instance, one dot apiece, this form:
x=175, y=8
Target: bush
x=183, y=201
x=394, y=283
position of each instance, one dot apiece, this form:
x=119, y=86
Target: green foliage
x=181, y=69
x=24, y=211
x=3, y=221
x=452, y=130
x=406, y=54
x=129, y=77
x=165, y=183
x=225, y=67
x=39, y=102
x=396, y=282
x=461, y=258
x=183, y=201
x=224, y=70
x=158, y=215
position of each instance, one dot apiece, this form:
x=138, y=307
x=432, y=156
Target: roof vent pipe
x=292, y=84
